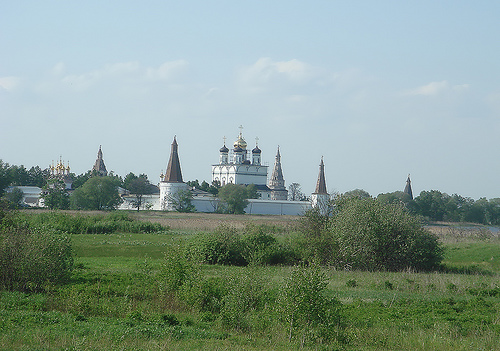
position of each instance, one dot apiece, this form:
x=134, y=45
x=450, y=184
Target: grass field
x=116, y=298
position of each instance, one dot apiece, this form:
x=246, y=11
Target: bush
x=364, y=233
x=223, y=246
x=245, y=303
x=308, y=314
x=31, y=258
x=264, y=249
x=97, y=224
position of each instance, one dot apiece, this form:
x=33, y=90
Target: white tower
x=320, y=197
x=171, y=183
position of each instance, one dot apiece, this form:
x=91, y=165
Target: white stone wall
x=209, y=204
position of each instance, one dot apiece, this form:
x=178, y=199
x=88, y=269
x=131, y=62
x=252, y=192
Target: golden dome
x=240, y=142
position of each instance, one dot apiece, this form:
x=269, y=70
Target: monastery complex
x=241, y=166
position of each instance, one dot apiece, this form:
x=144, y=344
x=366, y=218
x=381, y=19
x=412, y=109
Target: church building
x=237, y=166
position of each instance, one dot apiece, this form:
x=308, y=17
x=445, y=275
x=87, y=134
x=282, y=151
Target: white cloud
x=167, y=70
x=437, y=88
x=266, y=71
x=9, y=83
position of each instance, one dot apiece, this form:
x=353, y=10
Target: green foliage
x=223, y=246
x=55, y=196
x=95, y=224
x=139, y=186
x=234, y=197
x=32, y=258
x=5, y=177
x=14, y=197
x=371, y=235
x=204, y=186
x=227, y=246
x=310, y=316
x=246, y=302
x=262, y=248
x=98, y=193
x=182, y=201
x=363, y=233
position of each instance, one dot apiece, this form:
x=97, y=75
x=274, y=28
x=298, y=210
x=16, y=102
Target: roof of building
x=321, y=184
x=408, y=188
x=99, y=166
x=173, y=174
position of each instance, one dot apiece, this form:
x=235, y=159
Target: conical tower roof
x=99, y=165
x=321, y=184
x=174, y=174
x=408, y=188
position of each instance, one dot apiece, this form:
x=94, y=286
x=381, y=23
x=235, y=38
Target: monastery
x=237, y=166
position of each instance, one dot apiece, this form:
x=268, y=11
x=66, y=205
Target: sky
x=379, y=89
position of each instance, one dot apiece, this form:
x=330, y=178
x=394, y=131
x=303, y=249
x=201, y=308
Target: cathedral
x=237, y=166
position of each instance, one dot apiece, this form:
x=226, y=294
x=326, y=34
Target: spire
x=277, y=175
x=277, y=182
x=321, y=184
x=99, y=166
x=173, y=174
x=408, y=188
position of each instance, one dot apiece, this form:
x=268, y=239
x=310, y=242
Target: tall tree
x=98, y=193
x=5, y=177
x=234, y=197
x=14, y=197
x=139, y=187
x=55, y=196
x=295, y=192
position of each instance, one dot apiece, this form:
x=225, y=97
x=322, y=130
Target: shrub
x=97, y=224
x=264, y=249
x=308, y=314
x=30, y=258
x=246, y=298
x=363, y=233
x=223, y=246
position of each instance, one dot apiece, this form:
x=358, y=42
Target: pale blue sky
x=379, y=88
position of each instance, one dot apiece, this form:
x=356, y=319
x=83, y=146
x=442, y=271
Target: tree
x=295, y=192
x=394, y=198
x=81, y=179
x=55, y=196
x=37, y=176
x=5, y=177
x=15, y=197
x=98, y=193
x=182, y=201
x=19, y=175
x=204, y=186
x=234, y=197
x=359, y=193
x=138, y=186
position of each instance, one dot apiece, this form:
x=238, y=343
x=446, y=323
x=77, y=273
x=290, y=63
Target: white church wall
x=209, y=205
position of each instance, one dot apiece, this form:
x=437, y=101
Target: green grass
x=116, y=301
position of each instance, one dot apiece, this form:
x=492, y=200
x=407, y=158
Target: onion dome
x=256, y=150
x=240, y=143
x=224, y=149
x=238, y=149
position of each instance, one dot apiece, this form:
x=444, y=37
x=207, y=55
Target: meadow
x=117, y=297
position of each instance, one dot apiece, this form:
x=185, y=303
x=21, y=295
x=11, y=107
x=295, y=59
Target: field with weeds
x=121, y=297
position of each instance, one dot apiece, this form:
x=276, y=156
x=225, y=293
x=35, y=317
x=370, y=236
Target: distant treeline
x=437, y=206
